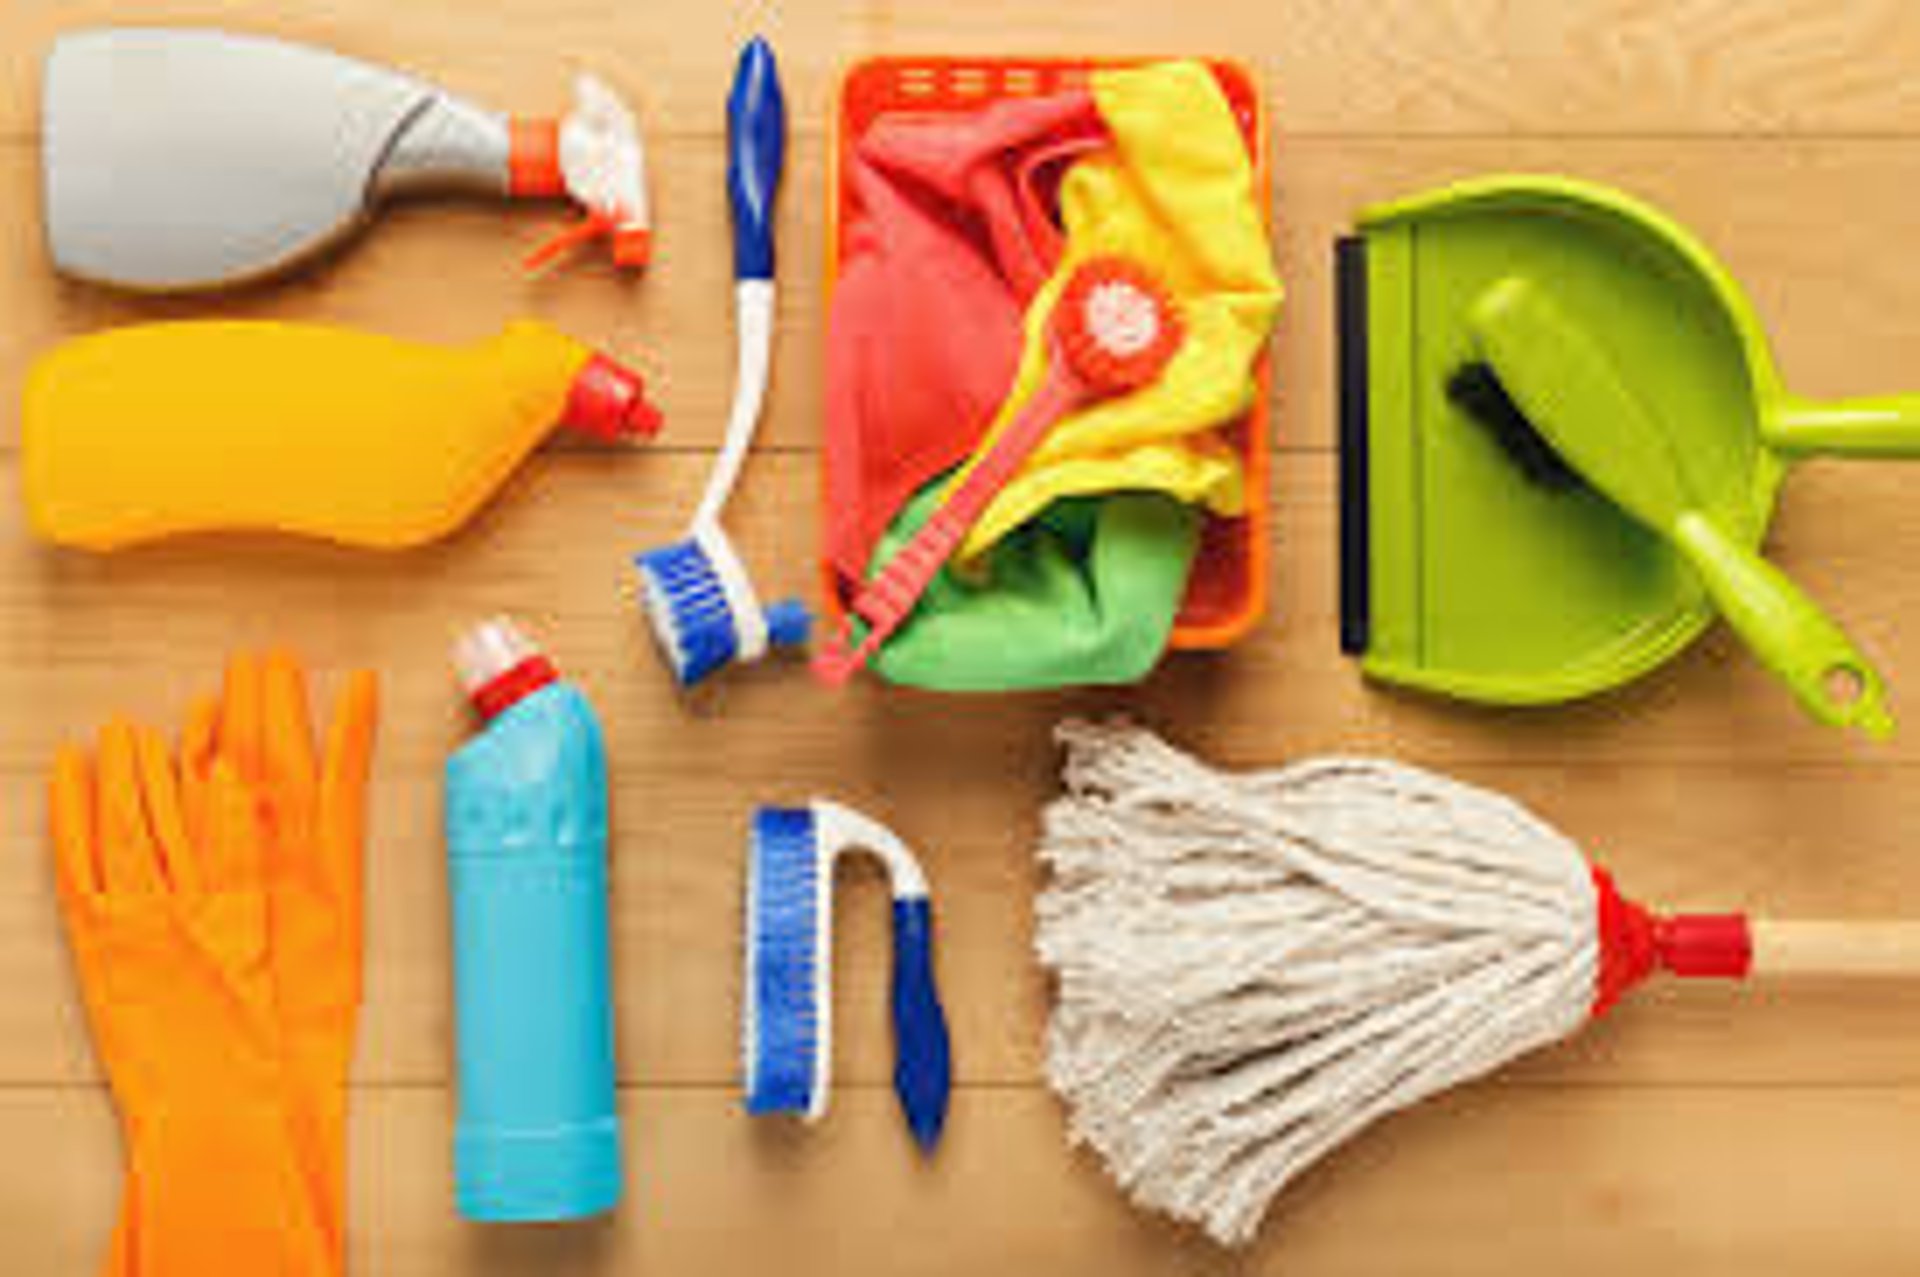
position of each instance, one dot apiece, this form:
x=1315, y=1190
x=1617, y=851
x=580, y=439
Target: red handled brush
x=1252, y=968
x=1112, y=330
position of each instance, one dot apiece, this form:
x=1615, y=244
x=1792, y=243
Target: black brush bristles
x=1475, y=389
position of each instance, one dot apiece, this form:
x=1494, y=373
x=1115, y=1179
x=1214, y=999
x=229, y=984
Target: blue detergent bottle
x=538, y=1134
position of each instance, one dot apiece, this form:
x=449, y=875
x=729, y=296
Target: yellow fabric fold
x=1176, y=192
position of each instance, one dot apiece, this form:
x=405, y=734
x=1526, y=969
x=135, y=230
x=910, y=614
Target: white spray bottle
x=178, y=158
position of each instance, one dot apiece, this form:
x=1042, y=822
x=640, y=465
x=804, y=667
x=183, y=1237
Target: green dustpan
x=1460, y=573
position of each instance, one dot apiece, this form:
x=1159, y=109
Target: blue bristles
x=785, y=899
x=687, y=608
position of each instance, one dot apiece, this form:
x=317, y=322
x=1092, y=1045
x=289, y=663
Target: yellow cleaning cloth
x=1177, y=194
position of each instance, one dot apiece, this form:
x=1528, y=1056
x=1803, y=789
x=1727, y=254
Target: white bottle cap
x=489, y=650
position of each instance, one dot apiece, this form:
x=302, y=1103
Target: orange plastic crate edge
x=1254, y=526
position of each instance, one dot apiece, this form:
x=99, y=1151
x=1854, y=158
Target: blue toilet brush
x=696, y=593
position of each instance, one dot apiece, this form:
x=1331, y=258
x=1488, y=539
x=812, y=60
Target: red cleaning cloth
x=949, y=230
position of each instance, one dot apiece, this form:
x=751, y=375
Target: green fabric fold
x=1084, y=594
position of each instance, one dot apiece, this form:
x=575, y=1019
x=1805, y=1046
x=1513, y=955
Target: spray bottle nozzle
x=594, y=156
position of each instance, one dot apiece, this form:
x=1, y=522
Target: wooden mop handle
x=1885, y=950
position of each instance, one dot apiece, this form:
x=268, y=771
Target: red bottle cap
x=499, y=666
x=608, y=401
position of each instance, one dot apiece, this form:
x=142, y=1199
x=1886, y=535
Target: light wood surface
x=1701, y=1129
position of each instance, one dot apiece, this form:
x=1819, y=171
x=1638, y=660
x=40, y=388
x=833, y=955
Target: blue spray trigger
x=923, y=1067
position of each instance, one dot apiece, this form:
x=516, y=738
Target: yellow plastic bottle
x=156, y=430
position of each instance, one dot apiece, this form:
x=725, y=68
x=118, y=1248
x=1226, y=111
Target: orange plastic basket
x=1227, y=593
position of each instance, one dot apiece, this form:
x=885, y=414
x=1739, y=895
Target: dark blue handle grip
x=923, y=1065
x=756, y=146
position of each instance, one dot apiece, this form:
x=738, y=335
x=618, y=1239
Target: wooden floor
x=1704, y=1132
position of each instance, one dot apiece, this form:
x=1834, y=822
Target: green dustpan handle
x=1786, y=630
x=1887, y=426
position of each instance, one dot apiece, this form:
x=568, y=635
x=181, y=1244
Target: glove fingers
x=287, y=731
x=76, y=871
x=234, y=849
x=199, y=741
x=166, y=820
x=343, y=780
x=242, y=727
x=129, y=861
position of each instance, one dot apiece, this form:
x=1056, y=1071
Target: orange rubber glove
x=214, y=913
x=170, y=938
x=313, y=809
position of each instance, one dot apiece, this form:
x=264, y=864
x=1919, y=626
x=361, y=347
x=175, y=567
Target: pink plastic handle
x=889, y=599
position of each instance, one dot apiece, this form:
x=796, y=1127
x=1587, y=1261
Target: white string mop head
x=1252, y=968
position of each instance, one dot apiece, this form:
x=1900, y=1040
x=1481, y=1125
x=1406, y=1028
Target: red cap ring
x=608, y=401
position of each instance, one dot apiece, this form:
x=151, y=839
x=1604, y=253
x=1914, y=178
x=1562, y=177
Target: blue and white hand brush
x=787, y=1021
x=697, y=596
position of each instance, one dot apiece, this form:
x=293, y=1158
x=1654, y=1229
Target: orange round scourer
x=1115, y=325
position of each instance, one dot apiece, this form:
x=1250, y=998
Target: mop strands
x=787, y=1010
x=695, y=592
x=1252, y=968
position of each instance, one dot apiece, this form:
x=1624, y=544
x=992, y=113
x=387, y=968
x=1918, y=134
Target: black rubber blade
x=1356, y=534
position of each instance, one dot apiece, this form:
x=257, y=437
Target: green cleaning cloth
x=1085, y=593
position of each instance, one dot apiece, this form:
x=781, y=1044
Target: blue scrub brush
x=697, y=597
x=787, y=1028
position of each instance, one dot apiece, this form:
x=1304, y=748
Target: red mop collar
x=1635, y=944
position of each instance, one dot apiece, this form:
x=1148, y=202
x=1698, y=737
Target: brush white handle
x=753, y=313
x=1870, y=950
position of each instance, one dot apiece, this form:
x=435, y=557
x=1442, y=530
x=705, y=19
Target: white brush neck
x=754, y=301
